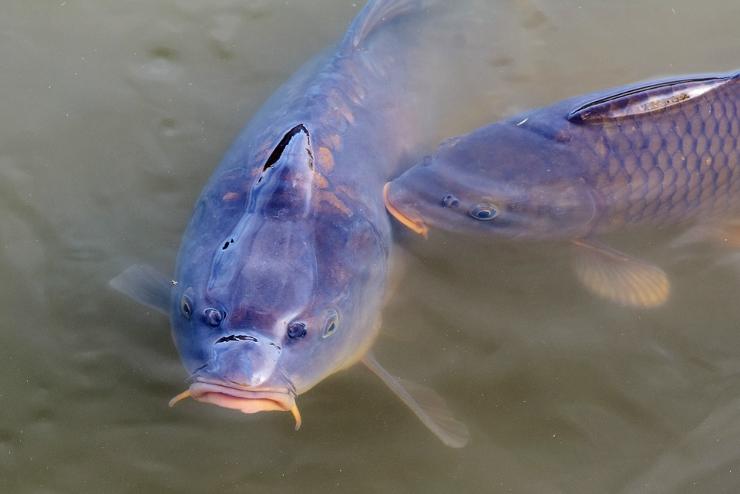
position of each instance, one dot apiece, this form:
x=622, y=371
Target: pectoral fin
x=726, y=234
x=426, y=404
x=146, y=285
x=619, y=277
x=399, y=261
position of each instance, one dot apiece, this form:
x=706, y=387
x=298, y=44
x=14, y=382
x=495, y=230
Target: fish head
x=500, y=180
x=284, y=297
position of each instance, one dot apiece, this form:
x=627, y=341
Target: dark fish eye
x=297, y=329
x=213, y=317
x=483, y=212
x=331, y=325
x=186, y=306
x=450, y=201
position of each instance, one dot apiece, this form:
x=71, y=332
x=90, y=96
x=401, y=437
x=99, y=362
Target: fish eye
x=483, y=212
x=331, y=325
x=213, y=317
x=450, y=201
x=186, y=306
x=296, y=329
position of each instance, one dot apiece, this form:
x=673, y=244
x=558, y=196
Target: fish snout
x=400, y=208
x=245, y=360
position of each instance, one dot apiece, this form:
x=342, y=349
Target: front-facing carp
x=656, y=153
x=281, y=273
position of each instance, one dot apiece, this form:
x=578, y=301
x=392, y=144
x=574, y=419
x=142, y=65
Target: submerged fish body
x=282, y=269
x=656, y=153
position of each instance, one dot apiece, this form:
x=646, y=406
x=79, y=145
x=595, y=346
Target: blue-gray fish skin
x=289, y=239
x=655, y=153
x=281, y=273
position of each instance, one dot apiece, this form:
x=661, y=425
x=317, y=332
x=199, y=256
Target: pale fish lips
x=414, y=224
x=246, y=401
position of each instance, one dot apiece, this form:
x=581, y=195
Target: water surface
x=115, y=113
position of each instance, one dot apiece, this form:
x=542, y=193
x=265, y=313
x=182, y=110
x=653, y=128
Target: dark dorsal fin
x=278, y=151
x=373, y=15
x=285, y=186
x=646, y=98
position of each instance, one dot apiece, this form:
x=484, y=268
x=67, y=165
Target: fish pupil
x=331, y=324
x=331, y=327
x=186, y=306
x=483, y=212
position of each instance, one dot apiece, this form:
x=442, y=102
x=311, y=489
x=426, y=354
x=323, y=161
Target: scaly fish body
x=654, y=153
x=674, y=163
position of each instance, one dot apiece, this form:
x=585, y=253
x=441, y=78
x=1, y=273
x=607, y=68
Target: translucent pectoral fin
x=618, y=277
x=399, y=261
x=146, y=285
x=426, y=404
x=726, y=233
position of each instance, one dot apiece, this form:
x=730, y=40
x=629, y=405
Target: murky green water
x=113, y=115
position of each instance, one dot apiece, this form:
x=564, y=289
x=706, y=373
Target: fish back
x=662, y=152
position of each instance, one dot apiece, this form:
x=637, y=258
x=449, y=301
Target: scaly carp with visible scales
x=653, y=154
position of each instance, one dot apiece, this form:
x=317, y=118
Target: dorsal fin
x=646, y=98
x=374, y=14
x=285, y=187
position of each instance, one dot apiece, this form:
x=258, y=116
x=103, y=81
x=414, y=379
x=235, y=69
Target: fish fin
x=146, y=285
x=647, y=98
x=426, y=404
x=397, y=268
x=375, y=14
x=620, y=278
x=726, y=234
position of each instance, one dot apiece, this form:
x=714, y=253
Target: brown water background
x=113, y=115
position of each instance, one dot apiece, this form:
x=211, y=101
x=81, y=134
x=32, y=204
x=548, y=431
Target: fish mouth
x=414, y=224
x=245, y=400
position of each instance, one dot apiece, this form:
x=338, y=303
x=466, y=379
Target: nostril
x=236, y=337
x=450, y=201
x=213, y=317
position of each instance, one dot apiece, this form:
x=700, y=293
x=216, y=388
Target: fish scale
x=661, y=169
x=655, y=153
